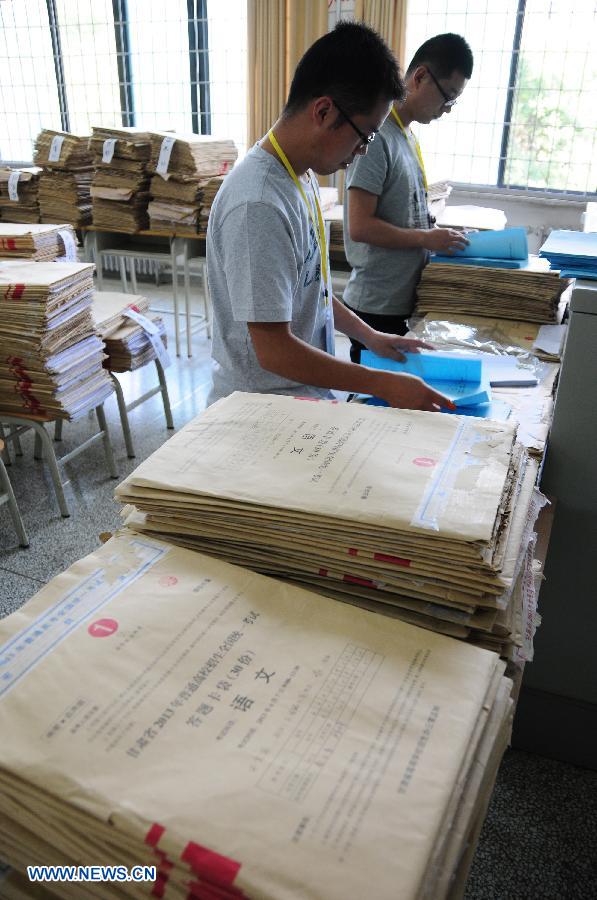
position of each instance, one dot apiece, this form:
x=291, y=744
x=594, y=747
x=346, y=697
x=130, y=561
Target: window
x=527, y=118
x=72, y=64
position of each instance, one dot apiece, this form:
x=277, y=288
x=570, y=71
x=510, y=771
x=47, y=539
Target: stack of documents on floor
x=531, y=294
x=19, y=194
x=188, y=172
x=40, y=242
x=416, y=515
x=50, y=356
x=244, y=737
x=574, y=253
x=64, y=187
x=120, y=187
x=128, y=344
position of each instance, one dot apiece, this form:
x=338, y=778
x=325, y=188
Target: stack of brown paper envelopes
x=530, y=294
x=64, y=187
x=38, y=242
x=417, y=515
x=246, y=738
x=187, y=174
x=19, y=194
x=120, y=187
x=50, y=356
x=128, y=345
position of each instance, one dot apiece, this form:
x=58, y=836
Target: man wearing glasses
x=388, y=232
x=273, y=308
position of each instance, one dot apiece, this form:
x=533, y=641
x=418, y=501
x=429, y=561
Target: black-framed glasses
x=366, y=139
x=449, y=102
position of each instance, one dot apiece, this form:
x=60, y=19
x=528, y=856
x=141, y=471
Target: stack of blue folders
x=574, y=253
x=504, y=249
x=461, y=379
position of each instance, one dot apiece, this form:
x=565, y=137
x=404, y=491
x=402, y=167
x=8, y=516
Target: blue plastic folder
x=574, y=253
x=460, y=378
x=509, y=243
x=485, y=261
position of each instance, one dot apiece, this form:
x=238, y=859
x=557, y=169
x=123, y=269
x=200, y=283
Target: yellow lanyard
x=318, y=225
x=412, y=143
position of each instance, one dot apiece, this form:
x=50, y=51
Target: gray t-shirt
x=264, y=265
x=383, y=281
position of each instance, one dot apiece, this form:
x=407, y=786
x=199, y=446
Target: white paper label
x=164, y=157
x=13, y=180
x=70, y=248
x=153, y=333
x=56, y=148
x=145, y=323
x=160, y=350
x=108, y=153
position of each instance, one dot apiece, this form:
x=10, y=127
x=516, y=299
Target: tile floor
x=540, y=836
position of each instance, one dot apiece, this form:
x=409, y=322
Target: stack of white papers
x=64, y=187
x=416, y=515
x=39, y=242
x=529, y=294
x=247, y=738
x=120, y=187
x=50, y=356
x=128, y=345
x=19, y=194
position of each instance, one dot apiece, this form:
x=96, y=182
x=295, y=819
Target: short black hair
x=445, y=53
x=353, y=65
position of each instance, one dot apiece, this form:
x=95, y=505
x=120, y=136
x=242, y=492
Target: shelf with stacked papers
x=415, y=515
x=131, y=343
x=531, y=294
x=317, y=720
x=38, y=242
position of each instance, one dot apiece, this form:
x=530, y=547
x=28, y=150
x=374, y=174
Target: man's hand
x=410, y=392
x=392, y=346
x=445, y=240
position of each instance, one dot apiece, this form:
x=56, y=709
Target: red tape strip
x=220, y=870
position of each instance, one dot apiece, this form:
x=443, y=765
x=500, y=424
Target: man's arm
x=365, y=226
x=278, y=350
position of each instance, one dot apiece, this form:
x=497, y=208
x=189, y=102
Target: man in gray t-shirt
x=264, y=266
x=268, y=267
x=388, y=232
